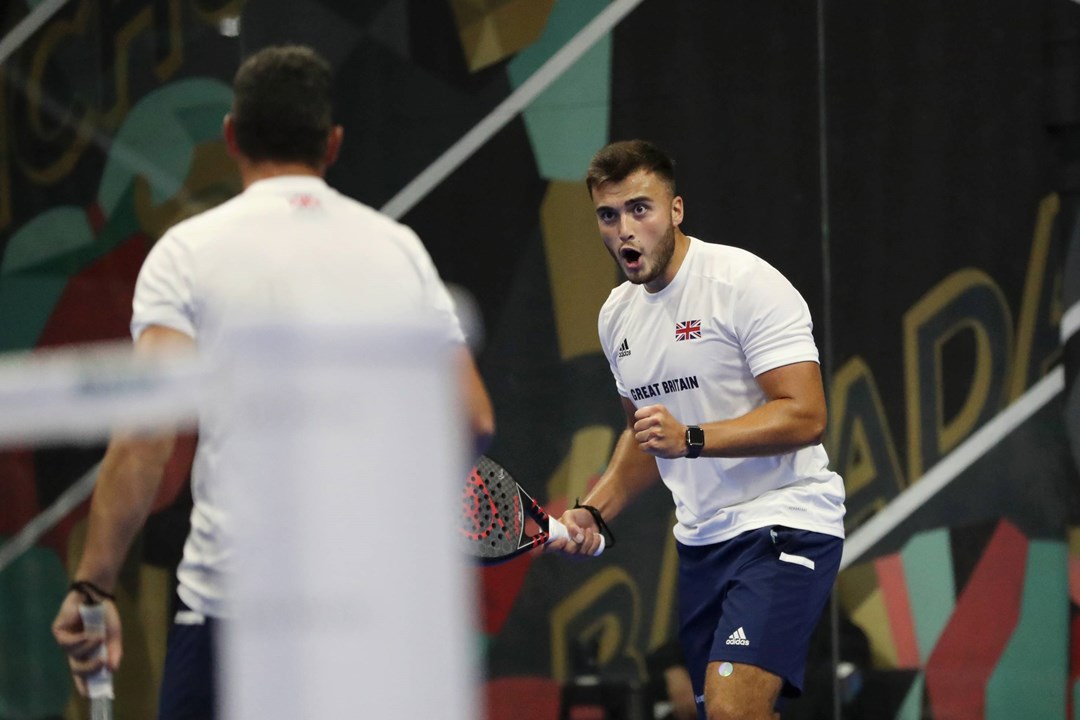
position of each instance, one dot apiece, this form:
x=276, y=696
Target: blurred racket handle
x=557, y=530
x=99, y=686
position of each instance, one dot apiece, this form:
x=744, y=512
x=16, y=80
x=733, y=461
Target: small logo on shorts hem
x=738, y=638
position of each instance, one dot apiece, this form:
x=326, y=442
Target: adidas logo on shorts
x=738, y=638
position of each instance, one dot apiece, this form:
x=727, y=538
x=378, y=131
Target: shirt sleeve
x=163, y=291
x=436, y=293
x=772, y=321
x=609, y=352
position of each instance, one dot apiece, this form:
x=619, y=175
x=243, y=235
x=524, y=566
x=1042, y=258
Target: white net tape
x=82, y=394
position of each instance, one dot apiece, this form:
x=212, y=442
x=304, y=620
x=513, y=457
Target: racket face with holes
x=493, y=510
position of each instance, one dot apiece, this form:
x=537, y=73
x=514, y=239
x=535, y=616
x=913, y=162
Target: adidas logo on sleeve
x=624, y=349
x=738, y=638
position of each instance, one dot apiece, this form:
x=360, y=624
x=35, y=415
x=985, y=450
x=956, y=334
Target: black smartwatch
x=695, y=441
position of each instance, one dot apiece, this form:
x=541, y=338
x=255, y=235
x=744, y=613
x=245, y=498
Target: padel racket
x=493, y=516
x=99, y=686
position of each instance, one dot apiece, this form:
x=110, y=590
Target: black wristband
x=599, y=521
x=91, y=592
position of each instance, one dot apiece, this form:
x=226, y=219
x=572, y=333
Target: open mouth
x=630, y=256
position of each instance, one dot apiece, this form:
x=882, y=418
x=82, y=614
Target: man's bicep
x=153, y=447
x=164, y=292
x=478, y=408
x=155, y=339
x=629, y=408
x=798, y=381
x=796, y=405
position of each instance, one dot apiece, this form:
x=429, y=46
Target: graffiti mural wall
x=911, y=167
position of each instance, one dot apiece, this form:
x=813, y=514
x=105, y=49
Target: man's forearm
x=127, y=485
x=629, y=472
x=778, y=427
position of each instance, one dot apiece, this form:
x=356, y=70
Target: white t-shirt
x=695, y=347
x=291, y=249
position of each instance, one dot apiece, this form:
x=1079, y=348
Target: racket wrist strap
x=91, y=592
x=599, y=521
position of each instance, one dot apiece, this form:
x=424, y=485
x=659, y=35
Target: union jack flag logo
x=305, y=202
x=688, y=330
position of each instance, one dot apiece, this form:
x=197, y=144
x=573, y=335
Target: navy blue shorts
x=755, y=599
x=187, y=684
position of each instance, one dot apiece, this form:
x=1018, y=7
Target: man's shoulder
x=251, y=210
x=369, y=218
x=198, y=223
x=731, y=256
x=619, y=296
x=729, y=264
x=616, y=304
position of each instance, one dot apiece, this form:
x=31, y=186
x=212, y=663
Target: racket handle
x=99, y=686
x=557, y=530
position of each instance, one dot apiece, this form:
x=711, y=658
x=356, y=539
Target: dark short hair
x=282, y=109
x=615, y=162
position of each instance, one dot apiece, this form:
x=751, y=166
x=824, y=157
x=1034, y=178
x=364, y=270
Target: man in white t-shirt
x=288, y=247
x=712, y=353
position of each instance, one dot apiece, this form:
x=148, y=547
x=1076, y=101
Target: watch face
x=695, y=441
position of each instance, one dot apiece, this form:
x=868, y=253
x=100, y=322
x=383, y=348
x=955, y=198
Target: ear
x=676, y=210
x=333, y=145
x=228, y=129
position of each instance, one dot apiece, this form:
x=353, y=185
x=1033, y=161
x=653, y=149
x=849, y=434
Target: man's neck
x=252, y=172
